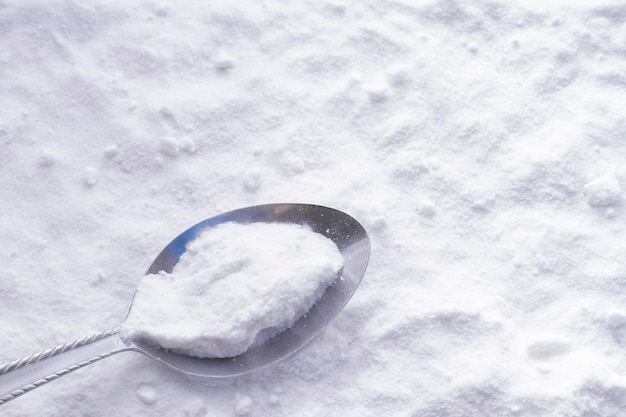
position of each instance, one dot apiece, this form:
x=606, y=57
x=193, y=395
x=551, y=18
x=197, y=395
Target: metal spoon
x=23, y=375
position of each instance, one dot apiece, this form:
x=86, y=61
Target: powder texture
x=482, y=144
x=235, y=286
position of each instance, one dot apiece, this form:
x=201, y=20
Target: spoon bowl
x=23, y=375
x=353, y=244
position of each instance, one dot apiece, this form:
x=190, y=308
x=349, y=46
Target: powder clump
x=235, y=286
x=604, y=191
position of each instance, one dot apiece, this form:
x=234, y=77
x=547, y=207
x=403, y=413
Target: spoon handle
x=26, y=374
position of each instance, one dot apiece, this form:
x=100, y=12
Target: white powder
x=481, y=144
x=603, y=191
x=234, y=287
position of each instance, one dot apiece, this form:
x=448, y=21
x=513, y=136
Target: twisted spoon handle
x=26, y=374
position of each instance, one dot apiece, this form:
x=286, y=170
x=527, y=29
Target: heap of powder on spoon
x=236, y=286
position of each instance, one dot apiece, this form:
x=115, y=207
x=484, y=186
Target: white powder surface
x=480, y=143
x=235, y=286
